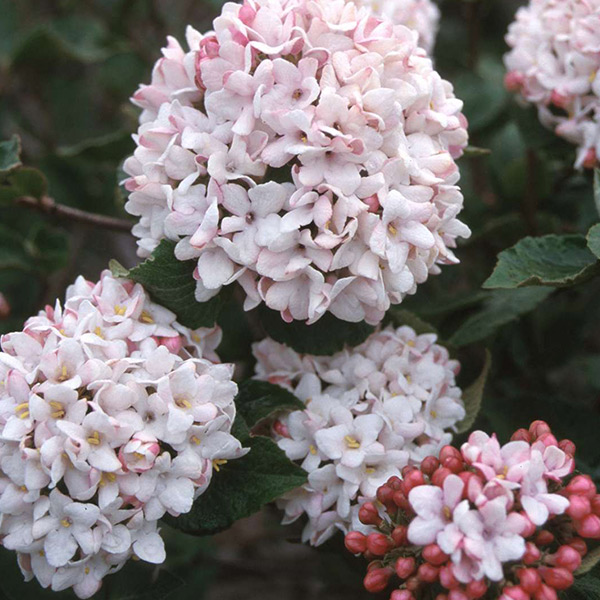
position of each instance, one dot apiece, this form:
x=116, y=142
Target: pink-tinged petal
x=150, y=548
x=422, y=531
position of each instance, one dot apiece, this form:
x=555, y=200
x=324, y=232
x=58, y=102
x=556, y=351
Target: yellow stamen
x=24, y=415
x=196, y=338
x=392, y=229
x=120, y=310
x=447, y=512
x=56, y=405
x=110, y=476
x=98, y=332
x=87, y=570
x=42, y=553
x=592, y=76
x=217, y=463
x=433, y=413
x=64, y=374
x=411, y=343
x=312, y=450
x=183, y=403
x=303, y=139
x=146, y=318
x=370, y=470
x=351, y=442
x=94, y=439
x=20, y=407
x=408, y=379
x=138, y=455
x=23, y=489
x=65, y=523
x=195, y=440
x=61, y=331
x=59, y=414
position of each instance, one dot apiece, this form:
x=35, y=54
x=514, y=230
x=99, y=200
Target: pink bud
x=399, y=535
x=513, y=81
x=385, y=494
x=544, y=538
x=440, y=475
x=433, y=554
x=532, y=553
x=568, y=447
x=412, y=479
x=372, y=202
x=378, y=544
x=567, y=557
x=514, y=592
x=395, y=483
x=521, y=435
x=376, y=580
x=427, y=573
x=447, y=578
x=558, y=99
x=476, y=589
x=405, y=567
x=429, y=464
x=529, y=579
x=4, y=307
x=457, y=594
x=369, y=515
x=557, y=577
x=538, y=428
x=582, y=485
x=547, y=439
x=401, y=501
x=529, y=528
x=139, y=453
x=589, y=527
x=449, y=452
x=402, y=595
x=579, y=507
x=546, y=593
x=355, y=542
x=579, y=545
x=173, y=344
x=281, y=429
x=591, y=160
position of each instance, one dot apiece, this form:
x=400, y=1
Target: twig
x=49, y=207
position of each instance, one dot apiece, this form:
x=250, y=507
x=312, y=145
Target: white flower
x=370, y=411
x=110, y=416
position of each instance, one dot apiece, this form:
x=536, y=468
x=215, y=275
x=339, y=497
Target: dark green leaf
x=584, y=588
x=470, y=151
x=556, y=260
x=593, y=240
x=112, y=147
x=171, y=283
x=473, y=396
x=258, y=400
x=22, y=181
x=399, y=317
x=242, y=486
x=589, y=562
x=597, y=189
x=10, y=154
x=501, y=307
x=327, y=336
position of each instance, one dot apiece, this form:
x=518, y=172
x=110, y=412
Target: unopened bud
x=376, y=580
x=429, y=464
x=440, y=475
x=521, y=435
x=369, y=515
x=579, y=507
x=447, y=578
x=568, y=447
x=355, y=542
x=538, y=428
x=427, y=573
x=433, y=554
x=378, y=544
x=514, y=592
x=544, y=538
x=412, y=480
x=402, y=595
x=546, y=593
x=589, y=527
x=4, y=307
x=513, y=81
x=557, y=577
x=566, y=556
x=399, y=535
x=579, y=545
x=405, y=567
x=532, y=553
x=581, y=485
x=476, y=589
x=529, y=579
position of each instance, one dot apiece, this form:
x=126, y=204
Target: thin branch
x=49, y=207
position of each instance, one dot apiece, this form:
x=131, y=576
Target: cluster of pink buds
x=506, y=522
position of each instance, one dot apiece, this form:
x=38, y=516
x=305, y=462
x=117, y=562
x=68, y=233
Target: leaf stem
x=50, y=207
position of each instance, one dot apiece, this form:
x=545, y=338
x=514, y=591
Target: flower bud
x=376, y=580
x=449, y=452
x=529, y=579
x=579, y=507
x=476, y=589
x=547, y=439
x=514, y=592
x=513, y=81
x=447, y=578
x=405, y=567
x=581, y=485
x=546, y=593
x=369, y=515
x=567, y=557
x=402, y=595
x=440, y=475
x=433, y=554
x=355, y=542
x=559, y=100
x=521, y=435
x=457, y=594
x=395, y=483
x=385, y=495
x=532, y=553
x=538, y=428
x=399, y=535
x=557, y=577
x=429, y=464
x=579, y=545
x=589, y=527
x=401, y=501
x=378, y=544
x=596, y=504
x=568, y=447
x=591, y=160
x=544, y=538
x=427, y=573
x=173, y=344
x=281, y=429
x=139, y=453
x=529, y=528
x=456, y=465
x=412, y=479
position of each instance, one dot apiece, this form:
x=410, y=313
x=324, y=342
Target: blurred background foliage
x=67, y=69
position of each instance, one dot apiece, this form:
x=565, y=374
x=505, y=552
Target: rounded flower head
x=111, y=414
x=422, y=16
x=370, y=411
x=553, y=63
x=304, y=149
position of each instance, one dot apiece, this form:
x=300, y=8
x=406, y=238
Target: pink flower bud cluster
x=370, y=411
x=422, y=16
x=553, y=63
x=111, y=415
x=504, y=522
x=306, y=150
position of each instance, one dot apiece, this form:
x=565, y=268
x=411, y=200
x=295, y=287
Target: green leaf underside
x=10, y=151
x=258, y=400
x=473, y=396
x=501, y=307
x=593, y=239
x=554, y=260
x=325, y=337
x=170, y=282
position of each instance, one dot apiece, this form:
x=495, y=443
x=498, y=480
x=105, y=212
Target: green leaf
x=399, y=317
x=589, y=562
x=556, y=260
x=593, y=239
x=242, y=486
x=325, y=337
x=117, y=269
x=171, y=283
x=597, y=189
x=501, y=307
x=10, y=154
x=110, y=147
x=473, y=396
x=22, y=181
x=258, y=400
x=471, y=151
x=584, y=588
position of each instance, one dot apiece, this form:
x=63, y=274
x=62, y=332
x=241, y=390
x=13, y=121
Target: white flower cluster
x=553, y=63
x=370, y=411
x=421, y=15
x=109, y=418
x=304, y=149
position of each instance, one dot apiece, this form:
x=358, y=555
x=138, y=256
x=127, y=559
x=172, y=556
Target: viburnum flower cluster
x=422, y=16
x=370, y=411
x=304, y=149
x=508, y=521
x=553, y=63
x=111, y=415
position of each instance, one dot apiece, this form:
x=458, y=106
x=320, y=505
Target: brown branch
x=51, y=208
